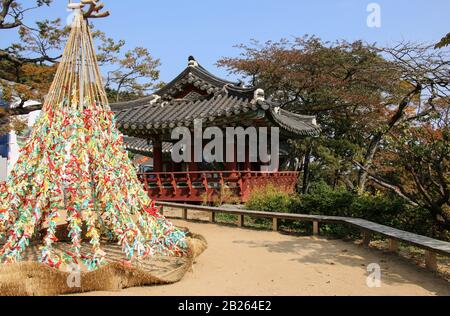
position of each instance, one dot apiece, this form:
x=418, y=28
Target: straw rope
x=78, y=82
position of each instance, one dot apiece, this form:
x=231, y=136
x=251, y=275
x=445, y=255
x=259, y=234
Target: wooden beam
x=431, y=260
x=275, y=224
x=393, y=245
x=316, y=230
x=184, y=214
x=240, y=221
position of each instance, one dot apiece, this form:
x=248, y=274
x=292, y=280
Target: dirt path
x=248, y=262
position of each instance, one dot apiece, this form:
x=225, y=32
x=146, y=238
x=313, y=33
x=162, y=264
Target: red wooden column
x=157, y=154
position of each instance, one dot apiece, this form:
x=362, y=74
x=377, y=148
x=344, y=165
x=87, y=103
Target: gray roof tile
x=142, y=146
x=220, y=98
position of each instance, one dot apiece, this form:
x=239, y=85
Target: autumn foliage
x=384, y=112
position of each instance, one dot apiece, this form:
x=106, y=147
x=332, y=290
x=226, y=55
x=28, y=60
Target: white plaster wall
x=13, y=154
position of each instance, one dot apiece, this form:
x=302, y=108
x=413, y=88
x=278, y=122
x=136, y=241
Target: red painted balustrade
x=211, y=186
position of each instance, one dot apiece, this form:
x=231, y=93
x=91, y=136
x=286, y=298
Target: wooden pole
x=366, y=237
x=275, y=224
x=240, y=221
x=184, y=214
x=316, y=230
x=431, y=261
x=393, y=245
x=212, y=217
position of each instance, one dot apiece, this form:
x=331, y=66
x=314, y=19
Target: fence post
x=316, y=230
x=212, y=217
x=275, y=224
x=184, y=213
x=240, y=221
x=431, y=260
x=366, y=237
x=393, y=245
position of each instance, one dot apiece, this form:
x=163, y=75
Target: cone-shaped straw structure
x=75, y=165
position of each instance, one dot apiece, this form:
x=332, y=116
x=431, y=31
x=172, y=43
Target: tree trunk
x=363, y=175
x=306, y=172
x=118, y=93
x=441, y=219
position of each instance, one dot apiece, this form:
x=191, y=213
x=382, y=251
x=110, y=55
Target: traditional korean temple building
x=198, y=94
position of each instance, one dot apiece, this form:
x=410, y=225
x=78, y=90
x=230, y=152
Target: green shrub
x=388, y=210
x=226, y=218
x=270, y=199
x=324, y=200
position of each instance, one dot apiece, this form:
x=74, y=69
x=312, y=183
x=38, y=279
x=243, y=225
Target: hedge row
x=324, y=200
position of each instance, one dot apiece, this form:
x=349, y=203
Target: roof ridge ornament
x=192, y=62
x=259, y=95
x=224, y=90
x=156, y=99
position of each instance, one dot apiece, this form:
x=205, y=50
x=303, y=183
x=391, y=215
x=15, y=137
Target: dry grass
x=30, y=278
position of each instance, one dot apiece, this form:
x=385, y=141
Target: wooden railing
x=194, y=186
x=367, y=228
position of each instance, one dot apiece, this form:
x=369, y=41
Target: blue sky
x=208, y=29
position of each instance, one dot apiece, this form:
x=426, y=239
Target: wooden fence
x=367, y=228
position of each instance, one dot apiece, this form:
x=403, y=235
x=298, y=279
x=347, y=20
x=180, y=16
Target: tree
x=136, y=73
x=341, y=83
x=37, y=42
x=27, y=67
x=414, y=163
x=422, y=78
x=363, y=96
x=358, y=91
x=445, y=41
x=32, y=75
x=12, y=12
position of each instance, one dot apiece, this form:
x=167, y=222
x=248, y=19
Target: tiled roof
x=182, y=112
x=198, y=94
x=296, y=123
x=139, y=145
x=117, y=107
x=193, y=77
x=203, y=80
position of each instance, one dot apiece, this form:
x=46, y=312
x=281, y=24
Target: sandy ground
x=245, y=262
